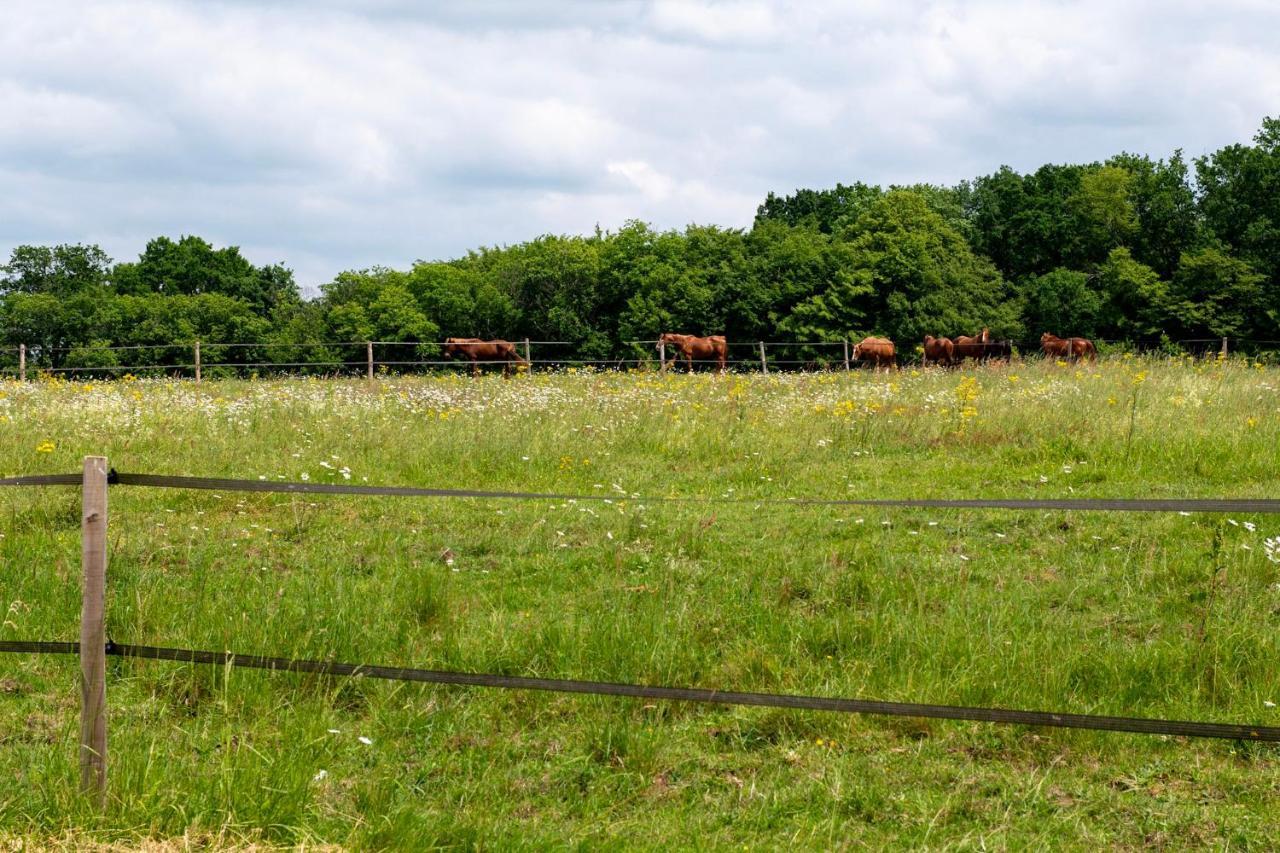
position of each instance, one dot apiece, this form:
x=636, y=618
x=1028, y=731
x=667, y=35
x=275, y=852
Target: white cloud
x=717, y=21
x=328, y=137
x=648, y=180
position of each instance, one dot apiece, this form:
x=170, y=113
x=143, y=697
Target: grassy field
x=1146, y=615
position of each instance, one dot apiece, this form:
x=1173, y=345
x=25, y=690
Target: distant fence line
x=195, y=358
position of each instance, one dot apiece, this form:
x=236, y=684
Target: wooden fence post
x=764, y=365
x=845, y=341
x=197, y=360
x=368, y=360
x=1224, y=347
x=527, y=359
x=22, y=362
x=662, y=356
x=93, y=635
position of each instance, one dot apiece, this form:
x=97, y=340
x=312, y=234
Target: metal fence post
x=22, y=362
x=93, y=634
x=764, y=365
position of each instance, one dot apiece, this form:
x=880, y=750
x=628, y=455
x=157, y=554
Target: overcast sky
x=332, y=135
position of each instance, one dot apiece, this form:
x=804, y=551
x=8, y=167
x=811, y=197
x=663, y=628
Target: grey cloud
x=327, y=135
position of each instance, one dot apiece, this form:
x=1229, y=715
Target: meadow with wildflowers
x=1155, y=615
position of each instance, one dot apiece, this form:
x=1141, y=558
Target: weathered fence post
x=197, y=360
x=368, y=359
x=22, y=362
x=1224, y=347
x=527, y=360
x=845, y=341
x=662, y=356
x=93, y=634
x=764, y=364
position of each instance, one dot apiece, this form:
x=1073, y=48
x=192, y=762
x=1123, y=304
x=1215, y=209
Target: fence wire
x=1140, y=725
x=1052, y=719
x=1215, y=505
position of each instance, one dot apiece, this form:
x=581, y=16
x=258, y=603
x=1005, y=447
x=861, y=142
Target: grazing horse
x=712, y=348
x=938, y=350
x=971, y=347
x=1072, y=349
x=480, y=350
x=879, y=351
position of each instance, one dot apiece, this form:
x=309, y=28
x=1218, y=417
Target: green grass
x=1144, y=615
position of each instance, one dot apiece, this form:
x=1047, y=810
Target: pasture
x=1130, y=614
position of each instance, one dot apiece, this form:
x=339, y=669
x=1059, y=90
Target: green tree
x=1132, y=296
x=191, y=266
x=62, y=270
x=1165, y=206
x=1213, y=295
x=554, y=282
x=642, y=283
x=1239, y=189
x=462, y=302
x=1104, y=209
x=1062, y=302
x=825, y=210
x=911, y=274
x=1028, y=225
x=792, y=265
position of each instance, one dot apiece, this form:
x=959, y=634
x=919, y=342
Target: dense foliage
x=1132, y=249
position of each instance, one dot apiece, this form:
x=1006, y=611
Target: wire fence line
x=185, y=359
x=1241, y=506
x=1052, y=719
x=97, y=477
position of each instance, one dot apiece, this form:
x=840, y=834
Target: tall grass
x=1150, y=615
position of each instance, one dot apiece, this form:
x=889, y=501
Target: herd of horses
x=878, y=352
x=948, y=352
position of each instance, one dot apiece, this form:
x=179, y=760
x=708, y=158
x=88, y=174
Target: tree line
x=1133, y=249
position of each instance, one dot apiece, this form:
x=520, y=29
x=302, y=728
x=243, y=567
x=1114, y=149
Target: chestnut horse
x=711, y=348
x=971, y=347
x=938, y=350
x=480, y=350
x=1072, y=349
x=879, y=351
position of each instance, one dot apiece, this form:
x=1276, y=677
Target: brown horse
x=879, y=351
x=480, y=350
x=712, y=348
x=1072, y=349
x=938, y=350
x=971, y=347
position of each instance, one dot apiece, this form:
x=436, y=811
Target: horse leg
x=475, y=369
